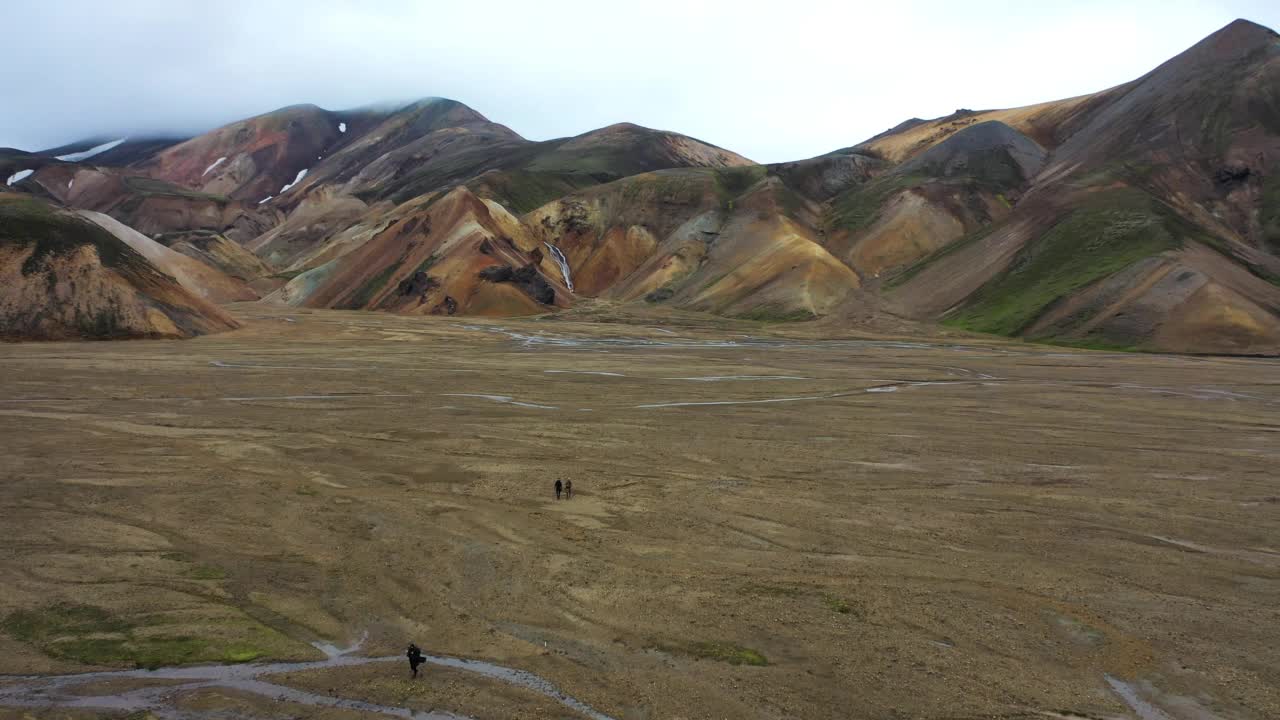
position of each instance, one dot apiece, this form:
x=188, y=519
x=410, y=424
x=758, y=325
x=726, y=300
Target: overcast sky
x=772, y=80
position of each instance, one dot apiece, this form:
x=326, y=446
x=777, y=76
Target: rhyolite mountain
x=63, y=276
x=1144, y=216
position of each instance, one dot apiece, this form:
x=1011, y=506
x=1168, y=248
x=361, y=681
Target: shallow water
x=504, y=399
x=1129, y=693
x=57, y=690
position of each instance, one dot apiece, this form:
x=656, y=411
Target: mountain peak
x=1235, y=40
x=1242, y=29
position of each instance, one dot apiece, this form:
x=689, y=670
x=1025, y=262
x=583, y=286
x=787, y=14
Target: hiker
x=559, y=487
x=568, y=489
x=415, y=658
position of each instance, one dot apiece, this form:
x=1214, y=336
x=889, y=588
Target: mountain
x=1150, y=225
x=195, y=276
x=66, y=277
x=1144, y=216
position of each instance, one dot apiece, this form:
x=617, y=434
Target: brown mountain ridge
x=1145, y=216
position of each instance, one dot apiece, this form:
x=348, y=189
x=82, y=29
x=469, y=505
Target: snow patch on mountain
x=215, y=164
x=19, y=177
x=95, y=150
x=342, y=127
x=301, y=174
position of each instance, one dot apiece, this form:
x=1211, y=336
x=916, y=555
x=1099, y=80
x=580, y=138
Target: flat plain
x=765, y=524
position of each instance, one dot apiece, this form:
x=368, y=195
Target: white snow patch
x=342, y=127
x=265, y=199
x=19, y=176
x=215, y=164
x=96, y=150
x=71, y=182
x=301, y=174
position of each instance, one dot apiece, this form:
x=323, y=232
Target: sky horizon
x=771, y=83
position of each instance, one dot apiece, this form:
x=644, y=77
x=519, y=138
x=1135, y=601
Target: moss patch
x=206, y=572
x=94, y=636
x=1108, y=234
x=776, y=313
x=523, y=191
x=836, y=604
x=1269, y=213
x=860, y=207
x=725, y=652
x=152, y=186
x=733, y=181
x=371, y=288
x=915, y=268
x=27, y=221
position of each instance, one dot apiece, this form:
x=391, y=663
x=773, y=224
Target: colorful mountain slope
x=1149, y=211
x=1144, y=216
x=63, y=277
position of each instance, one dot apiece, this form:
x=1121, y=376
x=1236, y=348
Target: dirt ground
x=762, y=527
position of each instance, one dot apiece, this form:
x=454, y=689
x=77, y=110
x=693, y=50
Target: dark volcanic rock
x=527, y=278
x=419, y=283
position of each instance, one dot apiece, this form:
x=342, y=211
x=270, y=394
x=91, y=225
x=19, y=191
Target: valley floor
x=762, y=526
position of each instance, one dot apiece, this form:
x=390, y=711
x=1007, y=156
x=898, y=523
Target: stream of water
x=46, y=691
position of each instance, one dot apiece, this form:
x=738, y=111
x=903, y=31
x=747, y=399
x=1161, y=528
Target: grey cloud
x=773, y=81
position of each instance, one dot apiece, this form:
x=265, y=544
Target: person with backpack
x=415, y=658
x=559, y=487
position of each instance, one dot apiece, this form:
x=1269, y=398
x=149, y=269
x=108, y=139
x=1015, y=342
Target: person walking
x=415, y=658
x=568, y=489
x=559, y=487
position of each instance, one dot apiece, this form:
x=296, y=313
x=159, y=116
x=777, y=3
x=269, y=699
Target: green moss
x=38, y=626
x=141, y=652
x=371, y=288
x=776, y=313
x=733, y=181
x=426, y=264
x=677, y=188
x=836, y=604
x=152, y=186
x=858, y=208
x=242, y=654
x=206, y=572
x=523, y=191
x=27, y=221
x=1269, y=212
x=915, y=268
x=790, y=201
x=727, y=652
x=1108, y=234
x=93, y=636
